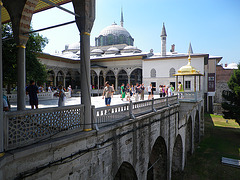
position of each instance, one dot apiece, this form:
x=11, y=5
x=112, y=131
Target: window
x=188, y=85
x=172, y=72
x=153, y=73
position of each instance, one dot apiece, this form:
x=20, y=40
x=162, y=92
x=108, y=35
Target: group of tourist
x=136, y=91
x=32, y=90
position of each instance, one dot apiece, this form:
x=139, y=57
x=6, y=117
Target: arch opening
x=188, y=139
x=177, y=158
x=196, y=129
x=126, y=172
x=157, y=166
x=122, y=77
x=136, y=76
x=110, y=77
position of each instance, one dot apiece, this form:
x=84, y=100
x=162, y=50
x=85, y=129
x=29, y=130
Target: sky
x=212, y=26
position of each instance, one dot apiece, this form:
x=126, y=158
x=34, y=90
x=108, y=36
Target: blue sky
x=212, y=26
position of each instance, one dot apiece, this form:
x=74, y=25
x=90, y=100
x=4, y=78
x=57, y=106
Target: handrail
x=110, y=114
x=26, y=127
x=30, y=126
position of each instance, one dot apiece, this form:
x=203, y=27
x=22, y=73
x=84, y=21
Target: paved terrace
x=97, y=101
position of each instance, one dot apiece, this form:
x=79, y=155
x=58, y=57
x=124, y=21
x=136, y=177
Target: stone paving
x=96, y=101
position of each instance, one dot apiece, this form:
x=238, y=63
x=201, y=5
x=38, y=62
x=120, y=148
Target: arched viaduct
x=154, y=145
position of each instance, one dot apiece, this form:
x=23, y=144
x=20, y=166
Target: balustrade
x=26, y=127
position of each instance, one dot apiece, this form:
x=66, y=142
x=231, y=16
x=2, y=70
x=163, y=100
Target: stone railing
x=41, y=96
x=109, y=114
x=106, y=115
x=23, y=128
x=27, y=127
x=190, y=96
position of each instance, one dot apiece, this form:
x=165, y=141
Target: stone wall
x=107, y=153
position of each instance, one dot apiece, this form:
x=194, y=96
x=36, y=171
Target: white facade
x=167, y=66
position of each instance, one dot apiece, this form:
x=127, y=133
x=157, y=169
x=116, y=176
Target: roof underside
x=41, y=6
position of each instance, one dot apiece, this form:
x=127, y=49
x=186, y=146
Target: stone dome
x=74, y=46
x=114, y=29
x=130, y=48
x=112, y=50
x=113, y=35
x=97, y=51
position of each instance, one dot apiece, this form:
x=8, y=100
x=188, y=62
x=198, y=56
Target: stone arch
x=94, y=79
x=122, y=77
x=188, y=139
x=136, y=76
x=177, y=158
x=153, y=72
x=101, y=80
x=126, y=172
x=76, y=83
x=50, y=78
x=172, y=71
x=157, y=166
x=68, y=79
x=110, y=76
x=60, y=78
x=196, y=129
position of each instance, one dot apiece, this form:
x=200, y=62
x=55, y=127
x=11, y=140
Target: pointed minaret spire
x=121, y=18
x=190, y=51
x=163, y=40
x=163, y=31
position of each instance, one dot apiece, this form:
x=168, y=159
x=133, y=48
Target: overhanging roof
x=41, y=6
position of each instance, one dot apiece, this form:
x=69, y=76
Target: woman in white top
x=149, y=88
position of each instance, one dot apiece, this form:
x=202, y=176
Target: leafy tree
x=232, y=105
x=35, y=70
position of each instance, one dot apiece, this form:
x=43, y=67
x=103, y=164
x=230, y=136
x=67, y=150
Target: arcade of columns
x=20, y=13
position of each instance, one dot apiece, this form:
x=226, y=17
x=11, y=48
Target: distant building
x=223, y=74
x=116, y=59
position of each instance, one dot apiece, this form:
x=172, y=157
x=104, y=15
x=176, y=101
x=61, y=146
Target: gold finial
x=189, y=57
x=1, y=4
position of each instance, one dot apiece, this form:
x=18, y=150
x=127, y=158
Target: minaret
x=163, y=40
x=121, y=18
x=190, y=51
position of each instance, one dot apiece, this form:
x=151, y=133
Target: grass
x=221, y=139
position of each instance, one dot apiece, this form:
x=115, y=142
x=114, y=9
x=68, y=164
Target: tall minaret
x=163, y=40
x=121, y=18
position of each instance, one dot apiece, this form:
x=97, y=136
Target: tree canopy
x=232, y=104
x=35, y=70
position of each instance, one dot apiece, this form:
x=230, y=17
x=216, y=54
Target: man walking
x=107, y=92
x=32, y=91
x=142, y=91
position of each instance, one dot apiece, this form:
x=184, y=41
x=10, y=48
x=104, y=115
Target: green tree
x=35, y=70
x=232, y=104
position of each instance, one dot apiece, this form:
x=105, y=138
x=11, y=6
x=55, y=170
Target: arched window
x=110, y=39
x=172, y=72
x=153, y=73
x=121, y=38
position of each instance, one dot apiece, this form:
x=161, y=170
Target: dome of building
x=113, y=35
x=112, y=50
x=74, y=46
x=69, y=55
x=115, y=30
x=131, y=49
x=97, y=51
x=188, y=70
